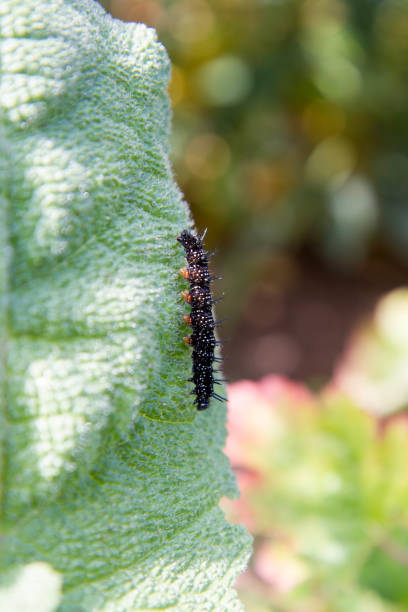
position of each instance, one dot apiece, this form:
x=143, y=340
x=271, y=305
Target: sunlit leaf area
x=290, y=143
x=110, y=479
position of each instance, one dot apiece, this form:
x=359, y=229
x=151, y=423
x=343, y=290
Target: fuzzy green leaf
x=109, y=474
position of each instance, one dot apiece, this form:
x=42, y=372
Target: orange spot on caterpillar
x=184, y=272
x=187, y=319
x=187, y=339
x=186, y=296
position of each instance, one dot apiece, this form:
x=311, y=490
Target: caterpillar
x=201, y=319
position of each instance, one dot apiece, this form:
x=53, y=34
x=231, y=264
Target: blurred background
x=290, y=143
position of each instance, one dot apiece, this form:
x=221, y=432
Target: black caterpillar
x=200, y=318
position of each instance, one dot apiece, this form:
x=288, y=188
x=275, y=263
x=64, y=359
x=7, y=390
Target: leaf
x=109, y=474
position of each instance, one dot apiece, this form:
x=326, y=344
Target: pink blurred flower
x=277, y=565
x=254, y=421
x=252, y=414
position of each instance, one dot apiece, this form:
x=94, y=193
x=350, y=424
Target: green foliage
x=108, y=473
x=374, y=368
x=302, y=106
x=326, y=494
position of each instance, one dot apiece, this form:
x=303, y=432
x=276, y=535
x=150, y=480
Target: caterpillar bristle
x=218, y=397
x=220, y=322
x=203, y=234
